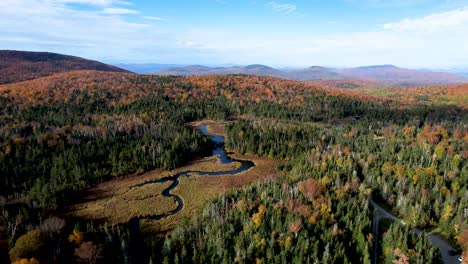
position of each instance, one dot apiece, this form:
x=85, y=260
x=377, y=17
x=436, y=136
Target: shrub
x=30, y=245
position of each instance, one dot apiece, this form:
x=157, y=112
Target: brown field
x=197, y=190
x=213, y=127
x=115, y=202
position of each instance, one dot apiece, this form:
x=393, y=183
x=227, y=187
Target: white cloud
x=58, y=26
x=119, y=11
x=282, y=8
x=93, y=2
x=154, y=18
x=437, y=40
x=25, y=40
x=84, y=2
x=391, y=3
x=451, y=20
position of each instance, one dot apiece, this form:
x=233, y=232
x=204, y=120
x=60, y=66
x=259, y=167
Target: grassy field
x=213, y=127
x=114, y=201
x=197, y=190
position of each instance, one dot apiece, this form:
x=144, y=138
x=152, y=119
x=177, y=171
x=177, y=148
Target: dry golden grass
x=116, y=202
x=120, y=203
x=196, y=190
x=213, y=127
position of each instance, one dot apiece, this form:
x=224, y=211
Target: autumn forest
x=116, y=167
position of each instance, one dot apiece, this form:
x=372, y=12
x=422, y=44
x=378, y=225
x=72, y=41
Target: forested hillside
x=17, y=66
x=455, y=94
x=61, y=134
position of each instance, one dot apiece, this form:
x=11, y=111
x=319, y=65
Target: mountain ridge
x=18, y=66
x=388, y=74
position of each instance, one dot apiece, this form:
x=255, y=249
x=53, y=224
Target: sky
x=280, y=33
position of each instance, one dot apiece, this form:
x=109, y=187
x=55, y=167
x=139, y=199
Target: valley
x=233, y=132
x=133, y=165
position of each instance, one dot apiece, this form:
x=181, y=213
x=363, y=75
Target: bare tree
x=53, y=225
x=89, y=253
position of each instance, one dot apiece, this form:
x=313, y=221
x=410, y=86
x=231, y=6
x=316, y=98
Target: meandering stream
x=218, y=149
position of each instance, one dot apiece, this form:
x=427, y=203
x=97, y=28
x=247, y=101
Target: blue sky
x=406, y=33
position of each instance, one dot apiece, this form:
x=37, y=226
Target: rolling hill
x=255, y=69
x=122, y=88
x=17, y=66
x=312, y=73
x=452, y=94
x=398, y=76
x=146, y=68
x=387, y=74
x=315, y=73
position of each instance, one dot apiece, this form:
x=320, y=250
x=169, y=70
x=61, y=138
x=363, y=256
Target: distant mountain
x=312, y=73
x=147, y=67
x=315, y=73
x=461, y=70
x=387, y=74
x=405, y=77
x=255, y=69
x=17, y=66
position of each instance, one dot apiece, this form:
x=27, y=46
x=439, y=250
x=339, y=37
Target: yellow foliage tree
x=257, y=218
x=27, y=261
x=76, y=237
x=447, y=213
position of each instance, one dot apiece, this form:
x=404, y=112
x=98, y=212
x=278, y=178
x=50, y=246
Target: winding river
x=218, y=150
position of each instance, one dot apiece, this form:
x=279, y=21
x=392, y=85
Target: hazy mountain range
x=147, y=67
x=388, y=74
x=18, y=66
